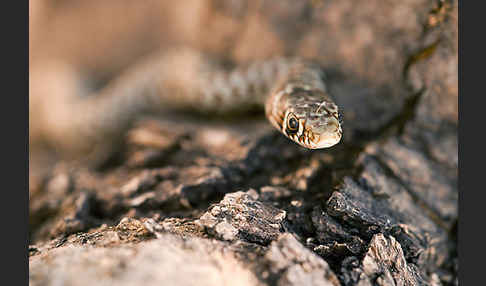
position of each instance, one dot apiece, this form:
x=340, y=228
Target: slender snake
x=292, y=92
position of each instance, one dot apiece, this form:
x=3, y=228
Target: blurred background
x=379, y=54
x=76, y=47
x=392, y=67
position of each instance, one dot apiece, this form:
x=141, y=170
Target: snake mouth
x=317, y=141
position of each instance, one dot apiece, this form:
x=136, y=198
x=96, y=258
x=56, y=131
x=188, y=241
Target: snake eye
x=293, y=124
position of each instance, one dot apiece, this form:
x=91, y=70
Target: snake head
x=309, y=118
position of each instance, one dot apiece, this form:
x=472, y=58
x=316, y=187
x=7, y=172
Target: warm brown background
x=387, y=194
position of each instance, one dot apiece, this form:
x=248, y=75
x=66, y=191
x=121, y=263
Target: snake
x=291, y=91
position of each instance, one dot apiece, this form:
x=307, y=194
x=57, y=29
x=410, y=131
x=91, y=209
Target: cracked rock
x=169, y=260
x=379, y=208
x=298, y=265
x=241, y=215
x=386, y=263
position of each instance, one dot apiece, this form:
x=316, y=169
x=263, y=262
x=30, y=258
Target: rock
x=169, y=260
x=210, y=200
x=241, y=215
x=384, y=262
x=375, y=203
x=297, y=265
x=424, y=179
x=79, y=217
x=133, y=230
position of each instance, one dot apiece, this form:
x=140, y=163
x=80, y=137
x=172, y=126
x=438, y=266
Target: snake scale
x=292, y=92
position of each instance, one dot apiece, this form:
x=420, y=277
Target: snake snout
x=326, y=136
x=326, y=141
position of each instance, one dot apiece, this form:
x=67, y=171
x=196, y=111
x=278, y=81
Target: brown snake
x=292, y=92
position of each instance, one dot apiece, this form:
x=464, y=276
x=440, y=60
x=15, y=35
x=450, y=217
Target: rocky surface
x=171, y=259
x=192, y=200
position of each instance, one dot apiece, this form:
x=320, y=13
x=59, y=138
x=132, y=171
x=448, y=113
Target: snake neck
x=211, y=88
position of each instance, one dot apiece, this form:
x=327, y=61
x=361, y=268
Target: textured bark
x=193, y=200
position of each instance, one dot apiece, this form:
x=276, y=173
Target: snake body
x=292, y=92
